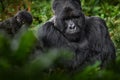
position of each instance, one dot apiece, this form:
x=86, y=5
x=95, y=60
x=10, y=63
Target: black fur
x=13, y=24
x=92, y=43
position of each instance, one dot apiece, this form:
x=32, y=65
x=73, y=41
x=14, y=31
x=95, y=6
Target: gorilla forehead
x=59, y=5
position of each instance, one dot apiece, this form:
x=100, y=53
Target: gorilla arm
x=99, y=40
x=50, y=36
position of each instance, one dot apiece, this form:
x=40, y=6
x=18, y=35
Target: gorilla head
x=24, y=17
x=69, y=18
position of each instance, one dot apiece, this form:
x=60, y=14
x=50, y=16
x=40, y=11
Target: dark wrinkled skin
x=89, y=40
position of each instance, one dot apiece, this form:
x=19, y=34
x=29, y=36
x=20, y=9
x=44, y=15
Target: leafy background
x=14, y=53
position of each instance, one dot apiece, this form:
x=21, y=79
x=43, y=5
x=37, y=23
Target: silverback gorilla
x=13, y=24
x=87, y=37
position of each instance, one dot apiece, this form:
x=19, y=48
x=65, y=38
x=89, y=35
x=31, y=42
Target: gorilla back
x=87, y=37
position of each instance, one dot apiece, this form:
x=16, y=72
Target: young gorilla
x=87, y=37
x=13, y=24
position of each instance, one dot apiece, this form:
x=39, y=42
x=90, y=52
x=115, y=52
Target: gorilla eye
x=70, y=18
x=75, y=17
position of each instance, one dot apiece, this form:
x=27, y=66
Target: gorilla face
x=74, y=25
x=24, y=17
x=71, y=25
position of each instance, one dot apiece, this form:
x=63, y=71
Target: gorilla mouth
x=72, y=31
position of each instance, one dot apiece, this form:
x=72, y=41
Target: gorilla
x=13, y=24
x=87, y=37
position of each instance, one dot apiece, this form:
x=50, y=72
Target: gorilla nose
x=72, y=27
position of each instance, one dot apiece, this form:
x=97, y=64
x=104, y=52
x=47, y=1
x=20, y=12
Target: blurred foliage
x=14, y=53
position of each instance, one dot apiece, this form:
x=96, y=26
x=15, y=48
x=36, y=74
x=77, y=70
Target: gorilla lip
x=72, y=31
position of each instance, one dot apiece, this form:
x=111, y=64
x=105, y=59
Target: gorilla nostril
x=72, y=27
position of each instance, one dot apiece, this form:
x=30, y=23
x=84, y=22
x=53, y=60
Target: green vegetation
x=14, y=53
